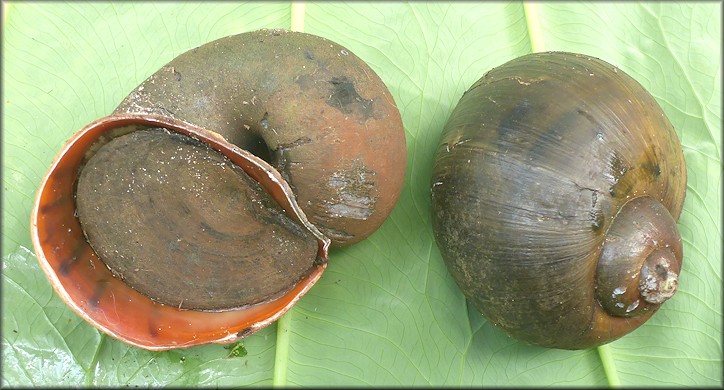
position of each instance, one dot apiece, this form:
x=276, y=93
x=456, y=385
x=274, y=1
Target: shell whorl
x=314, y=110
x=640, y=261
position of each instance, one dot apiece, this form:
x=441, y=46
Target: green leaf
x=386, y=312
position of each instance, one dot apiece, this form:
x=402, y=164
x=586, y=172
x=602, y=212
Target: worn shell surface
x=318, y=113
x=556, y=188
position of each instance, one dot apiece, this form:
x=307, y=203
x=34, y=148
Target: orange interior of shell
x=87, y=285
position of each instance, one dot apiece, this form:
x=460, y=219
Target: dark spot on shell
x=345, y=98
x=308, y=55
x=652, y=163
x=243, y=332
x=653, y=168
x=64, y=268
x=95, y=299
x=152, y=330
x=48, y=207
x=66, y=265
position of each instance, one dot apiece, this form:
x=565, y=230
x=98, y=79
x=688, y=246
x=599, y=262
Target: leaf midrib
x=279, y=378
x=281, y=352
x=535, y=35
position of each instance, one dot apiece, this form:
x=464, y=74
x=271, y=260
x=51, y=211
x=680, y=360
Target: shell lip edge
x=292, y=209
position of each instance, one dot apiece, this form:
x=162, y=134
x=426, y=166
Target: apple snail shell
x=318, y=113
x=158, y=227
x=556, y=188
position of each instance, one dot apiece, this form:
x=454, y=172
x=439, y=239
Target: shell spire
x=641, y=259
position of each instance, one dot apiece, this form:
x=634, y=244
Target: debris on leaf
x=235, y=350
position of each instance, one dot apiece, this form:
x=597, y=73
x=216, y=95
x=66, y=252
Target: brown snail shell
x=556, y=189
x=323, y=117
x=159, y=231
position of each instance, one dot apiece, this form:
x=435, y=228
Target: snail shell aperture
x=163, y=210
x=556, y=189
